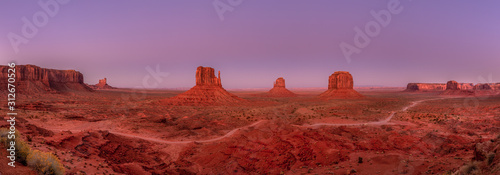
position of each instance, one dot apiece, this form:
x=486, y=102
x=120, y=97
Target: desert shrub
x=45, y=163
x=471, y=168
x=22, y=151
x=22, y=148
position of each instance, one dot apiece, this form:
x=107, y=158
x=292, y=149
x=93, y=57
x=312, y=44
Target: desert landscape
x=292, y=87
x=208, y=130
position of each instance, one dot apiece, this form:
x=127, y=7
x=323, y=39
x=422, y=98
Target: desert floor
x=127, y=131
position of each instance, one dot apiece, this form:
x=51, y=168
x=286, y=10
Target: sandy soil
x=127, y=131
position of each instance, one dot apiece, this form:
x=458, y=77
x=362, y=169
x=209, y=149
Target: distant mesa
x=340, y=86
x=32, y=79
x=425, y=87
x=103, y=84
x=279, y=89
x=484, y=86
x=454, y=88
x=207, y=91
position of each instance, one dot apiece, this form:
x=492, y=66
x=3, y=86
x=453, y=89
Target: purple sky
x=259, y=41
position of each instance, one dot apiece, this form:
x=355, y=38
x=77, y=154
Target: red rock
x=484, y=86
x=452, y=85
x=279, y=89
x=340, y=80
x=466, y=86
x=207, y=91
x=453, y=88
x=102, y=85
x=340, y=86
x=425, y=87
x=32, y=79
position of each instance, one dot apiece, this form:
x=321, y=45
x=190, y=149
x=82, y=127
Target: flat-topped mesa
x=425, y=87
x=452, y=85
x=340, y=80
x=103, y=84
x=32, y=79
x=453, y=88
x=279, y=89
x=484, y=86
x=280, y=82
x=340, y=86
x=205, y=76
x=207, y=91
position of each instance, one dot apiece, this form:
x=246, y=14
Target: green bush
x=45, y=163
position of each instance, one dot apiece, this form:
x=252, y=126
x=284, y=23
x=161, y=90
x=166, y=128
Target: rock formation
x=425, y=87
x=340, y=86
x=466, y=86
x=279, y=89
x=32, y=79
x=484, y=86
x=207, y=91
x=103, y=84
x=452, y=85
x=453, y=88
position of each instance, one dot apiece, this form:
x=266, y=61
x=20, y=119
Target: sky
x=253, y=42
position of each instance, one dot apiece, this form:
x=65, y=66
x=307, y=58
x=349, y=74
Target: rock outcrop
x=32, y=79
x=103, y=84
x=453, y=88
x=279, y=89
x=425, y=87
x=484, y=86
x=207, y=91
x=340, y=86
x=452, y=85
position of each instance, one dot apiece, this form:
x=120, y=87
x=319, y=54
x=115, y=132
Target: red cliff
x=103, y=84
x=279, y=89
x=207, y=91
x=340, y=86
x=33, y=79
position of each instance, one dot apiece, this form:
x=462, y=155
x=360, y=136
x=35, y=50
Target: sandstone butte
x=279, y=89
x=454, y=88
x=32, y=79
x=103, y=84
x=207, y=91
x=340, y=86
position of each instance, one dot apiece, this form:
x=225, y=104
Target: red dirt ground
x=127, y=131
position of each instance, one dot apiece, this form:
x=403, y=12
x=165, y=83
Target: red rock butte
x=207, y=91
x=103, y=84
x=279, y=89
x=32, y=79
x=340, y=86
x=454, y=88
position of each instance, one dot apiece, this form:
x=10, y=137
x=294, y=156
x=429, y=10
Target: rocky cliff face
x=484, y=86
x=452, y=85
x=33, y=79
x=425, y=87
x=205, y=76
x=340, y=86
x=280, y=82
x=279, y=89
x=207, y=91
x=103, y=84
x=340, y=80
